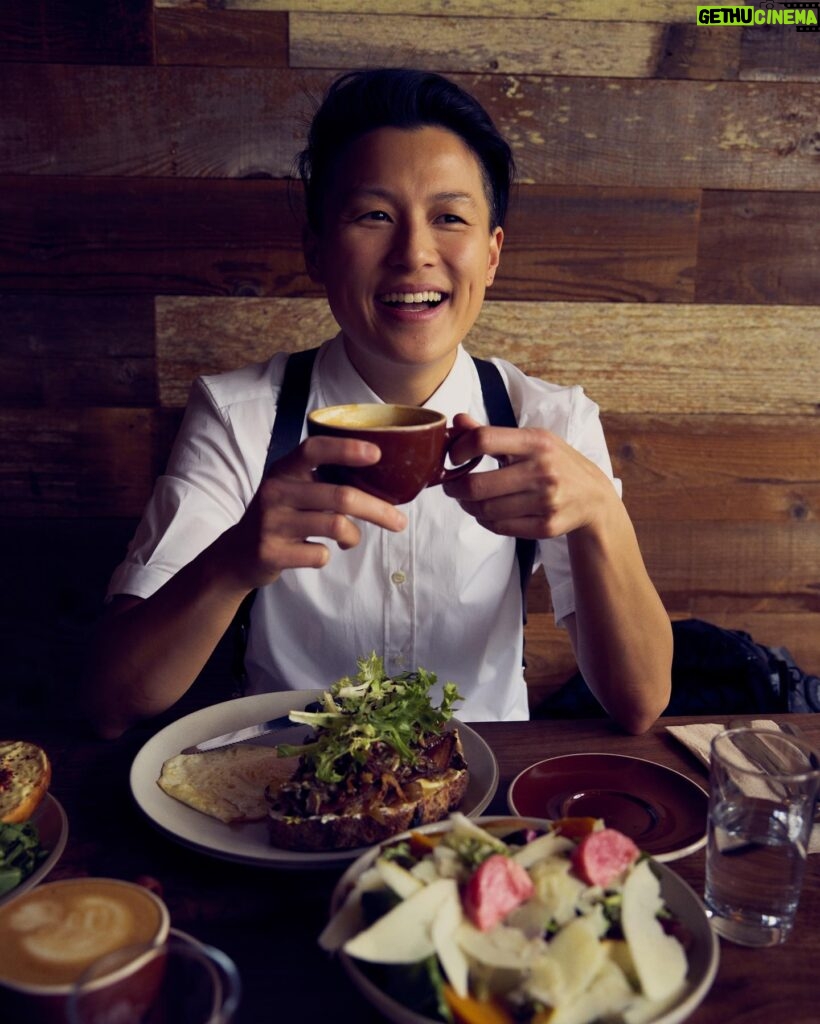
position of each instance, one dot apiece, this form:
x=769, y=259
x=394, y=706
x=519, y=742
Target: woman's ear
x=311, y=250
x=496, y=241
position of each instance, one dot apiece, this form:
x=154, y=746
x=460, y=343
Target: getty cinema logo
x=804, y=16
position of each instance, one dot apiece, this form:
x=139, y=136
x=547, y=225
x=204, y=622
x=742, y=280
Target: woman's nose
x=412, y=246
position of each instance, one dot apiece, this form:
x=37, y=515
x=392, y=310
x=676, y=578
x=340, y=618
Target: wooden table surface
x=268, y=919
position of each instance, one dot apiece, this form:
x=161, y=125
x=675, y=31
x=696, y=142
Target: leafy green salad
x=566, y=926
x=20, y=854
x=368, y=708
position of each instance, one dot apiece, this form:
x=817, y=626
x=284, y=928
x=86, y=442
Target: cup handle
x=444, y=474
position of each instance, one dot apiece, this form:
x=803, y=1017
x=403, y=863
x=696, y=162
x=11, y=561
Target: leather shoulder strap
x=290, y=411
x=501, y=414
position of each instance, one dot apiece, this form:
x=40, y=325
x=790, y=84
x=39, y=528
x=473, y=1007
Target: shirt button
x=398, y=577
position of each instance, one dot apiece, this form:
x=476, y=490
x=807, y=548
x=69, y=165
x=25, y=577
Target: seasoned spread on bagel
x=382, y=759
x=25, y=775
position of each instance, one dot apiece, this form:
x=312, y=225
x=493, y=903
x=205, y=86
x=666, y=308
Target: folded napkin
x=698, y=738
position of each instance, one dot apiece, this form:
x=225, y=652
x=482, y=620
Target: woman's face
x=406, y=255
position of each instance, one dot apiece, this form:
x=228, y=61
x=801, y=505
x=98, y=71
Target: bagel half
x=25, y=775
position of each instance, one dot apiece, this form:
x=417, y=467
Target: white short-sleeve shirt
x=443, y=594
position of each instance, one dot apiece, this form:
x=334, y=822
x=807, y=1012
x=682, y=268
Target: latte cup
x=414, y=443
x=52, y=934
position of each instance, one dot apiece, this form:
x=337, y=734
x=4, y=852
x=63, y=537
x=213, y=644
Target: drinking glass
x=763, y=786
x=199, y=985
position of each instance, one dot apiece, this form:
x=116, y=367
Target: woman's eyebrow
x=377, y=192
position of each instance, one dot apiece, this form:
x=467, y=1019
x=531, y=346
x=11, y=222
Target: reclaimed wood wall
x=663, y=250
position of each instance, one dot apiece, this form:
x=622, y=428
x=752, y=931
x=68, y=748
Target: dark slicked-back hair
x=362, y=101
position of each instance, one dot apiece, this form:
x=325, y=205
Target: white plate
x=703, y=954
x=52, y=825
x=249, y=843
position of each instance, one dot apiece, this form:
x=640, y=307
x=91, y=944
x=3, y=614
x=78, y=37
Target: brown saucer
x=663, y=811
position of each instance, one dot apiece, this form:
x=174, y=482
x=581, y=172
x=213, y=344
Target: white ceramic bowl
x=703, y=954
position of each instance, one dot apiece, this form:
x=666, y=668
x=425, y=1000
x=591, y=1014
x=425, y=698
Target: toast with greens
x=383, y=758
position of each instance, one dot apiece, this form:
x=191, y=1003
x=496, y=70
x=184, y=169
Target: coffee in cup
x=51, y=934
x=414, y=443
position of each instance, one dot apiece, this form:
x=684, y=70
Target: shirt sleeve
x=205, y=489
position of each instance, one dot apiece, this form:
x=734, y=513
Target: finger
x=288, y=503
x=317, y=451
x=506, y=444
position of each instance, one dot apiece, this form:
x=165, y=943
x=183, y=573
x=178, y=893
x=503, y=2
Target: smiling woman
x=406, y=181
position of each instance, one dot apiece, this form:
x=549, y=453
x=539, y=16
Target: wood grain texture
x=64, y=351
x=776, y=237
x=210, y=236
x=505, y=45
x=752, y=560
x=717, y=468
x=599, y=244
x=631, y=358
x=583, y=10
x=240, y=122
x=221, y=37
x=67, y=32
x=151, y=236
x=69, y=462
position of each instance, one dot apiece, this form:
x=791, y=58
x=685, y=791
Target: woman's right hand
x=292, y=505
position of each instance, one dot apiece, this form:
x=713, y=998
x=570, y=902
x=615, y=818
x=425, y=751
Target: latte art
x=76, y=934
x=51, y=934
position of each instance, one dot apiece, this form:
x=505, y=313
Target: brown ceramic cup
x=51, y=934
x=414, y=443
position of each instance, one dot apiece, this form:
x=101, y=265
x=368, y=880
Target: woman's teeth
x=411, y=298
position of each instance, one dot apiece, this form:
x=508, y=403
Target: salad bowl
x=679, y=899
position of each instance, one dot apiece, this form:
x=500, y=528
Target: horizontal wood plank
x=151, y=236
x=717, y=468
x=240, y=122
x=778, y=55
x=599, y=244
x=68, y=462
x=751, y=559
x=67, y=32
x=219, y=37
x=550, y=661
x=583, y=10
x=697, y=470
x=225, y=237
x=475, y=44
x=600, y=49
x=67, y=351
x=776, y=239
x=631, y=358
x=666, y=359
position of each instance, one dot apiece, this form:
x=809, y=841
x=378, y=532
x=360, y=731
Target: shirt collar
x=340, y=383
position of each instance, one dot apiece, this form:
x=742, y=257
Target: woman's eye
x=377, y=215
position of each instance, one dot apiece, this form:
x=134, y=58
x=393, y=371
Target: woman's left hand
x=543, y=488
